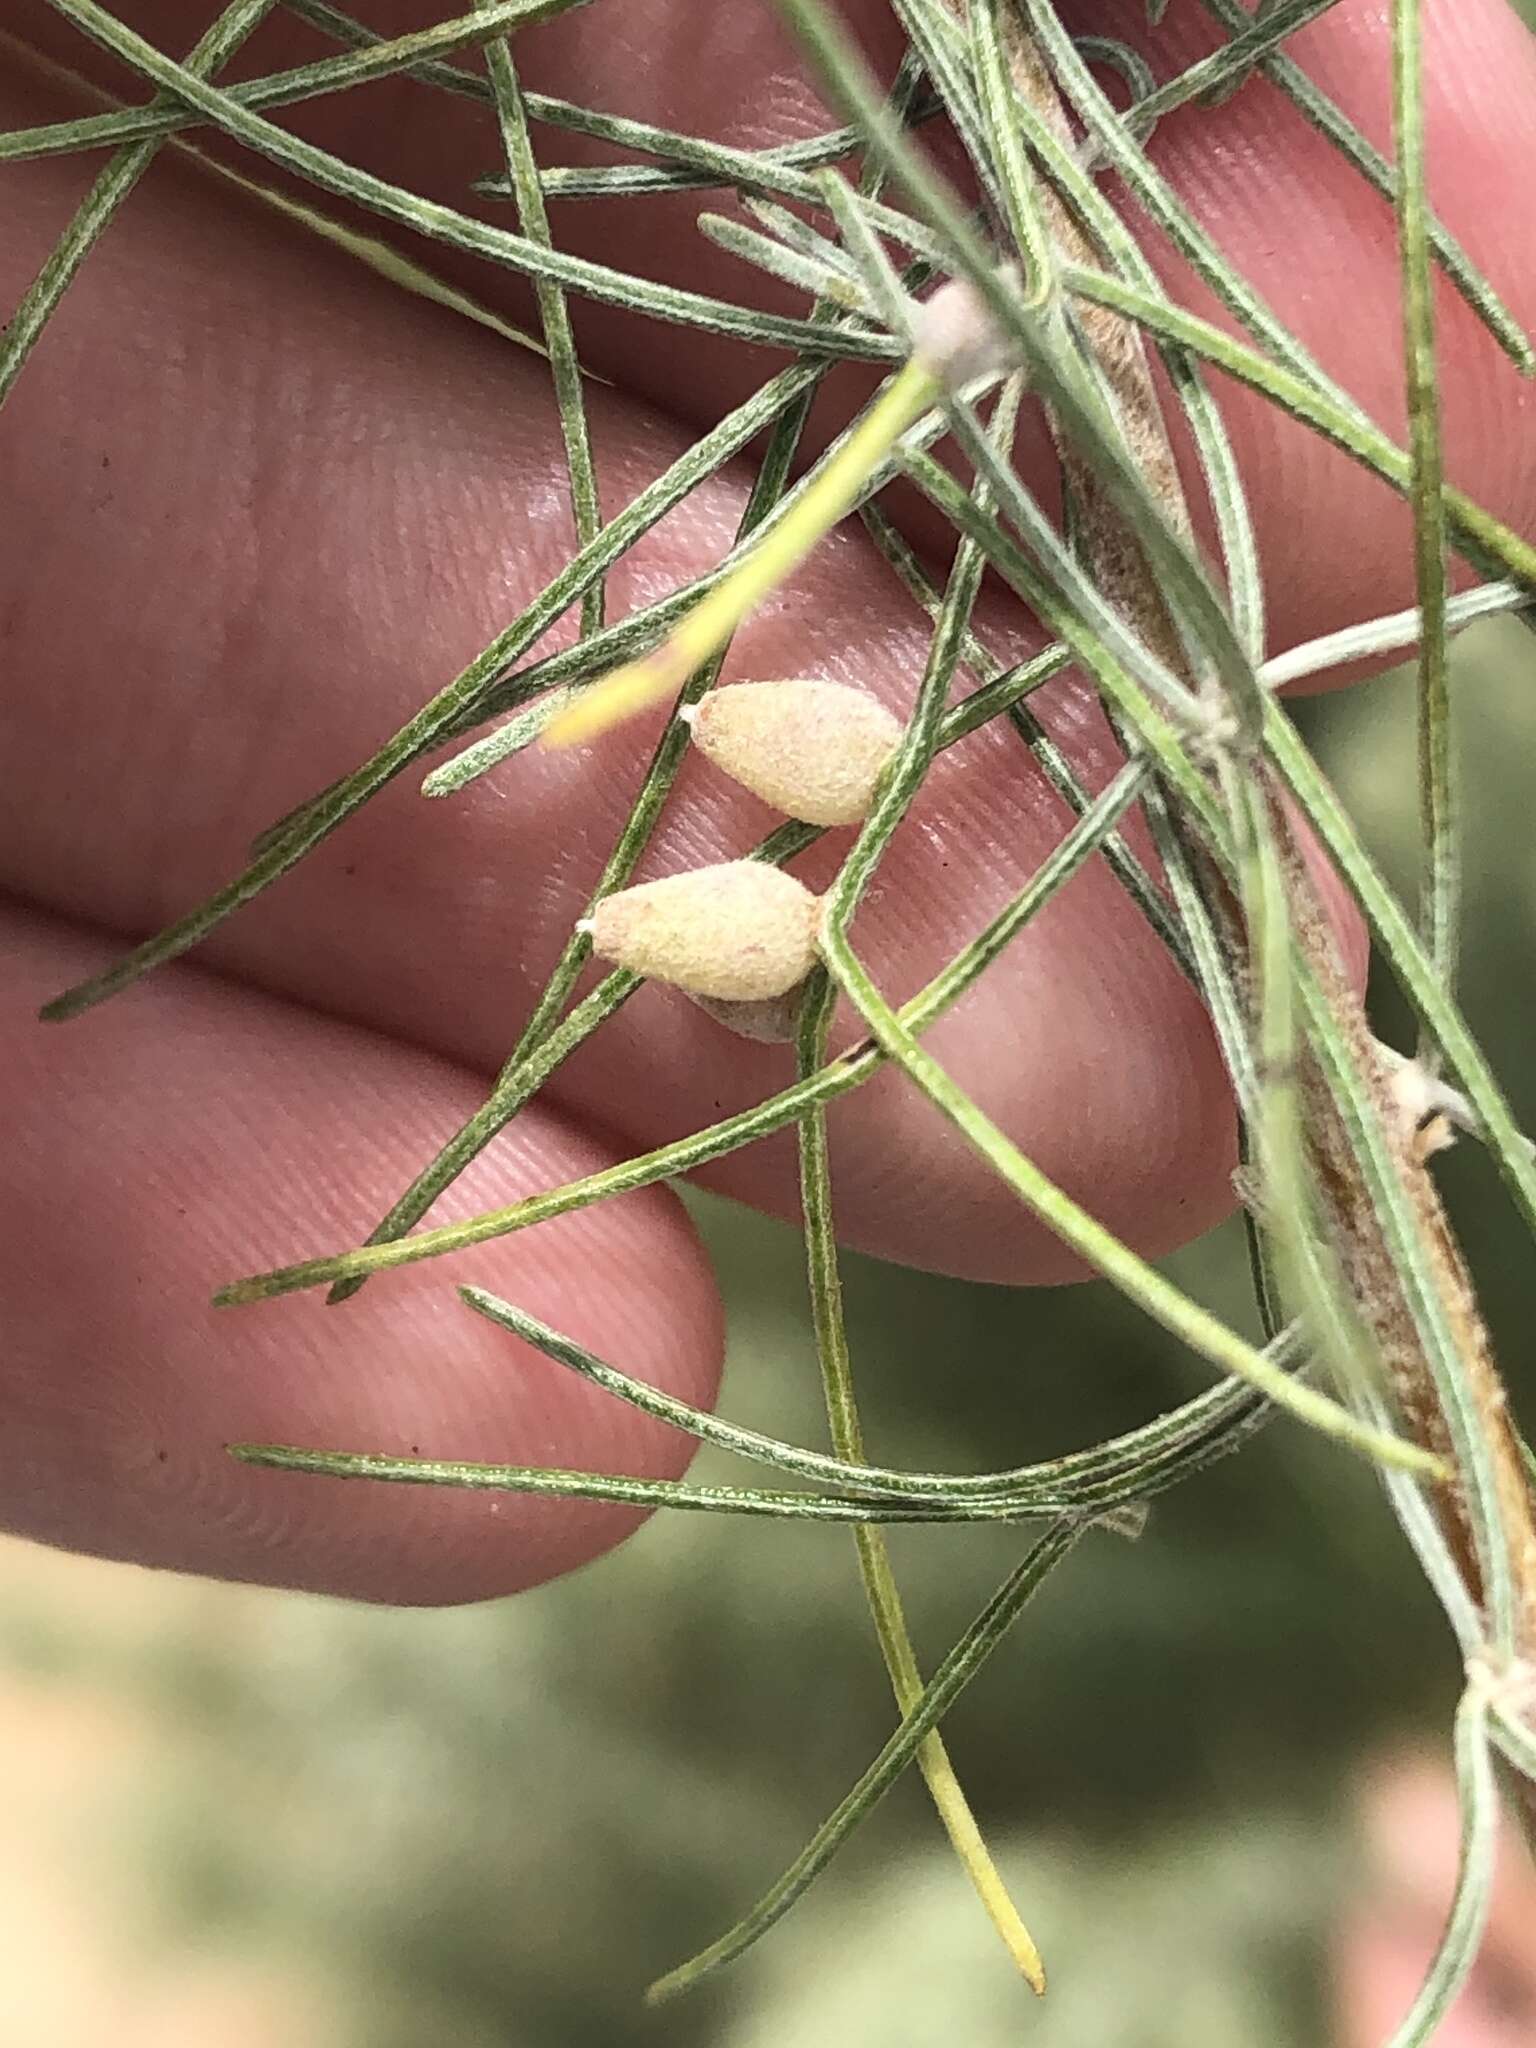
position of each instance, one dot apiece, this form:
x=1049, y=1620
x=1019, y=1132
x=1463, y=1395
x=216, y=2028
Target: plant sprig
x=1375, y=1335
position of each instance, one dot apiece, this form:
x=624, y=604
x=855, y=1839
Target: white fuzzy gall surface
x=1420, y=1095
x=956, y=338
x=741, y=932
x=814, y=750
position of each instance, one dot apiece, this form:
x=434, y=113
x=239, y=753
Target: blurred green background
x=241, y=1817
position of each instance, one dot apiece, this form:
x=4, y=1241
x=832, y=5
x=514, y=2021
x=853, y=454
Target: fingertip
x=195, y=1126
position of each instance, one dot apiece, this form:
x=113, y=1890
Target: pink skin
x=264, y=505
x=1410, y=1828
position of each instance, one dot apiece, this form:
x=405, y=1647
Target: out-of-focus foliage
x=249, y=1818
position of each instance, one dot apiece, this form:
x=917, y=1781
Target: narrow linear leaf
x=938, y=1696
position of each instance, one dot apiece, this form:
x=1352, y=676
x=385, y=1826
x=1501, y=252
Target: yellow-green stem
x=880, y=1589
x=712, y=621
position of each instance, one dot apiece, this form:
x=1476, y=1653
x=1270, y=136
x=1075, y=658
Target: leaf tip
x=234, y=1295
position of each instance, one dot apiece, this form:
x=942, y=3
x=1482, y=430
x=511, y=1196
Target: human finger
x=187, y=1136
x=206, y=636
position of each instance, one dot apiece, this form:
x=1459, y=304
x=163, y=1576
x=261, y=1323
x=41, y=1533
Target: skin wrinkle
x=256, y=465
x=250, y=1105
x=1229, y=167
x=1469, y=138
x=428, y=888
x=568, y=54
x=406, y=540
x=1453, y=123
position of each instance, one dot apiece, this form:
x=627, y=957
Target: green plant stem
x=779, y=170
x=1454, y=1959
x=839, y=1077
x=1056, y=375
x=1440, y=884
x=875, y=1570
x=322, y=815
x=625, y=1491
x=112, y=185
x=509, y=1094
x=1481, y=537
x=938, y=1696
x=536, y=1057
x=1325, y=116
x=1052, y=759
x=554, y=317
x=381, y=58
x=1134, y=1465
x=512, y=1088
x=879, y=1579
x=1392, y=633
x=423, y=216
x=1098, y=1247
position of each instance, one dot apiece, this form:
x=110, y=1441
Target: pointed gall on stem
x=814, y=750
x=739, y=932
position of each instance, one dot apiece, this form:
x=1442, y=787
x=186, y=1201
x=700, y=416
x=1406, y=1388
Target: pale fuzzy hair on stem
x=739, y=932
x=815, y=750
